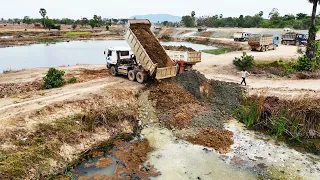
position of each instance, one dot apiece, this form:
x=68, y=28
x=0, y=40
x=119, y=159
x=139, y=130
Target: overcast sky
x=127, y=8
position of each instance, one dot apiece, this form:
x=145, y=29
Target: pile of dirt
x=233, y=46
x=206, y=34
x=221, y=97
x=224, y=96
x=151, y=45
x=220, y=140
x=175, y=106
x=179, y=48
x=9, y=89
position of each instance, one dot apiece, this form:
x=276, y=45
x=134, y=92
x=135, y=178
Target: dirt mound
x=179, y=48
x=206, y=34
x=151, y=45
x=8, y=89
x=220, y=140
x=221, y=97
x=175, y=106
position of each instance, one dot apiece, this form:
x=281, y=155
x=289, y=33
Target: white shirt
x=244, y=74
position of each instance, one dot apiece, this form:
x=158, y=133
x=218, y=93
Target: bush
x=244, y=62
x=72, y=80
x=53, y=78
x=74, y=26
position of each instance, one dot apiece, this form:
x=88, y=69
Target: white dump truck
x=139, y=61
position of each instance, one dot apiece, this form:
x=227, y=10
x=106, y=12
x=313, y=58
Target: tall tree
x=43, y=13
x=313, y=29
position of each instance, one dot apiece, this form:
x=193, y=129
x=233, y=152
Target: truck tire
x=141, y=77
x=266, y=48
x=132, y=75
x=108, y=65
x=261, y=48
x=113, y=71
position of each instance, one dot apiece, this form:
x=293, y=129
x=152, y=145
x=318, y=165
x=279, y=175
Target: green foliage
x=72, y=80
x=92, y=23
x=247, y=114
x=27, y=20
x=74, y=26
x=217, y=51
x=278, y=125
x=244, y=62
x=49, y=23
x=84, y=21
x=279, y=68
x=53, y=78
x=188, y=21
x=298, y=21
x=73, y=33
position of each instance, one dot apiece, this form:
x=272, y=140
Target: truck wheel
x=132, y=75
x=266, y=48
x=113, y=71
x=261, y=48
x=108, y=65
x=141, y=77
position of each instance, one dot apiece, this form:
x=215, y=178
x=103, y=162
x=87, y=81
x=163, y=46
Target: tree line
x=48, y=23
x=275, y=20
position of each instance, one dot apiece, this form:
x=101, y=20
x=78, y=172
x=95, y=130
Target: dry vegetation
x=32, y=155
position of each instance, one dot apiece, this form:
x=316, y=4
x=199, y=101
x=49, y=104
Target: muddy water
x=177, y=159
x=275, y=159
x=65, y=53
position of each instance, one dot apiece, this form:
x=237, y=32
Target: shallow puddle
x=177, y=159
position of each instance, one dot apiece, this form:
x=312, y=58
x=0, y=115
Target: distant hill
x=158, y=17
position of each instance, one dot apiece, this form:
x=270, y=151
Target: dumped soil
x=206, y=34
x=219, y=95
x=179, y=48
x=8, y=89
x=151, y=45
x=233, y=46
x=220, y=140
x=175, y=107
x=221, y=98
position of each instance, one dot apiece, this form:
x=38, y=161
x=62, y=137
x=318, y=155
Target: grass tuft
x=216, y=51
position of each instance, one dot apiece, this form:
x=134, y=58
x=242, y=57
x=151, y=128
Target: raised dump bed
x=148, y=50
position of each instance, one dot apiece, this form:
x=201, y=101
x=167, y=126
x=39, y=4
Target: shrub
x=53, y=78
x=74, y=26
x=244, y=62
x=72, y=80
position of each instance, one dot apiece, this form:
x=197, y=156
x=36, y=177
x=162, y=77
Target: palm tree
x=312, y=34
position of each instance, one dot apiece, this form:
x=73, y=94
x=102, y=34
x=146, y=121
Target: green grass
x=76, y=33
x=48, y=40
x=216, y=51
x=279, y=68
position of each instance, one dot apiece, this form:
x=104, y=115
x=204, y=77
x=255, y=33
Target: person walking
x=244, y=74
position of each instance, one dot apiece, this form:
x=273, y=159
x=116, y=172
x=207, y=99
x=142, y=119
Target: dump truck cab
x=113, y=55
